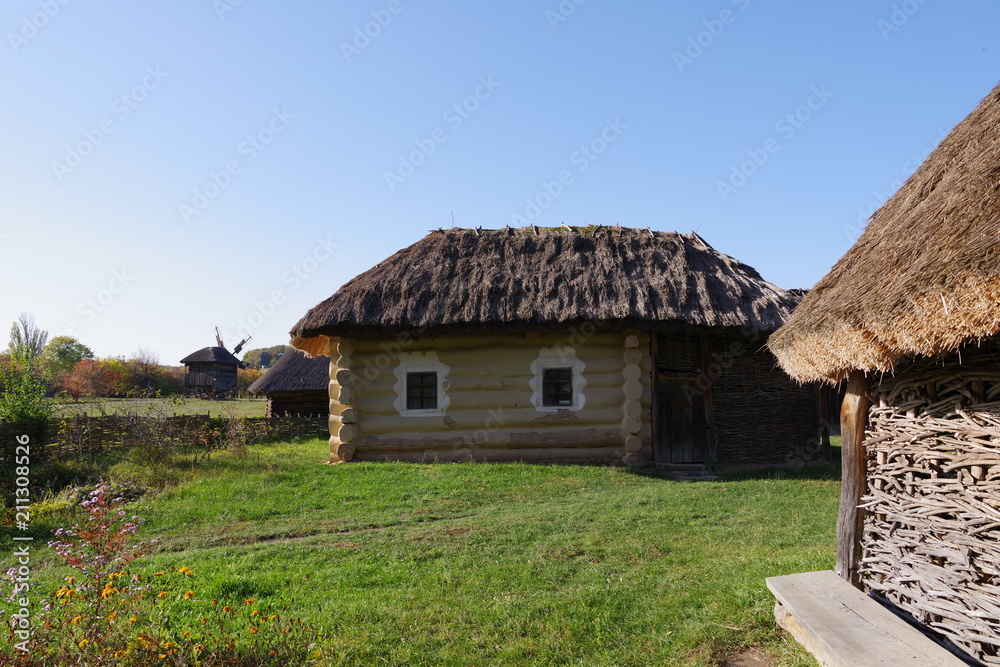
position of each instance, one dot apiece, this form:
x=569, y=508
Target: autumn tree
x=60, y=356
x=93, y=377
x=244, y=378
x=257, y=357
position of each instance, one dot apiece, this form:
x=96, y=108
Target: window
x=557, y=381
x=421, y=385
x=557, y=387
x=421, y=391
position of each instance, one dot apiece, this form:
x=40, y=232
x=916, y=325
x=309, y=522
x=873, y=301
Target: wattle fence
x=64, y=435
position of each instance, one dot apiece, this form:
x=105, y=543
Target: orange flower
x=253, y=631
x=76, y=619
x=185, y=571
x=255, y=612
x=227, y=608
x=189, y=595
x=250, y=601
x=161, y=594
x=83, y=642
x=159, y=574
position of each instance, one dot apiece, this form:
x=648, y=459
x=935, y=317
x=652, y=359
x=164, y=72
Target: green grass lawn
x=494, y=564
x=243, y=407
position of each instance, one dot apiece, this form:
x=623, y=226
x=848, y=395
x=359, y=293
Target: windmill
x=239, y=346
x=211, y=371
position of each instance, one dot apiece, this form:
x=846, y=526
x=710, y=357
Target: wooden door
x=682, y=428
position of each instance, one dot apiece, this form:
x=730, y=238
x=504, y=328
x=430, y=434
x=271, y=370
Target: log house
x=571, y=344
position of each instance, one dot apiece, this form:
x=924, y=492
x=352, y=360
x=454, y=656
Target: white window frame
x=420, y=362
x=551, y=358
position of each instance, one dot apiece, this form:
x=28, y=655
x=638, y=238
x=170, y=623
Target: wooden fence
x=96, y=434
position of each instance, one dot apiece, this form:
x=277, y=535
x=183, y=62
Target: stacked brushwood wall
x=931, y=541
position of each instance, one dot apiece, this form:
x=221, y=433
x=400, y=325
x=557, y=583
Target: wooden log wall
x=490, y=416
x=762, y=416
x=298, y=404
x=931, y=540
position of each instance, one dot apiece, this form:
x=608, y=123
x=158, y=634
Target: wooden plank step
x=842, y=626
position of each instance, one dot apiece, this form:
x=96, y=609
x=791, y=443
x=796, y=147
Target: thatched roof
x=294, y=371
x=211, y=354
x=518, y=279
x=925, y=275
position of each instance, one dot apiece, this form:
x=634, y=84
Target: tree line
x=35, y=367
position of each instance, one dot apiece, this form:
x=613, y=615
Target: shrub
x=23, y=396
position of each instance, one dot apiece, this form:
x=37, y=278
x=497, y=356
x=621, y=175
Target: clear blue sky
x=116, y=115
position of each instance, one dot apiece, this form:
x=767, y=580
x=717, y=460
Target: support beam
x=854, y=476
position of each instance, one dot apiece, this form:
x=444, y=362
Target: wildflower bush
x=111, y=613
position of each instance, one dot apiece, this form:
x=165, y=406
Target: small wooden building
x=910, y=316
x=210, y=372
x=584, y=344
x=296, y=385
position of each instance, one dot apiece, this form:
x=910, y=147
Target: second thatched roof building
x=598, y=344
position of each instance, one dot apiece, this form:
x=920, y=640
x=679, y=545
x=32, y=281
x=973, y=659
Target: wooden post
x=824, y=423
x=850, y=521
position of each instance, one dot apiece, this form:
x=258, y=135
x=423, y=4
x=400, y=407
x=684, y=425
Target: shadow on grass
x=814, y=472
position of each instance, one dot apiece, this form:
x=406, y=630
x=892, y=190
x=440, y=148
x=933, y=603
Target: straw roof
x=516, y=279
x=294, y=371
x=924, y=277
x=211, y=354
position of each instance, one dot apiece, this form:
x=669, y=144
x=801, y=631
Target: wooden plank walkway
x=842, y=626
